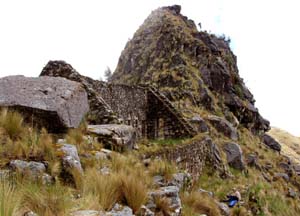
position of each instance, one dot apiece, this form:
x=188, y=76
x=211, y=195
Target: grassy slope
x=290, y=144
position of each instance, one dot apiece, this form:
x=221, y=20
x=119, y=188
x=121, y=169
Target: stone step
x=172, y=109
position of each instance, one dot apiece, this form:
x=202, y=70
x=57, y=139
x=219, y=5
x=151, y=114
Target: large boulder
x=100, y=112
x=50, y=102
x=271, y=142
x=223, y=126
x=118, y=137
x=199, y=124
x=32, y=170
x=234, y=155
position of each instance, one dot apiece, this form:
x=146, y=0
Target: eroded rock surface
x=50, y=102
x=234, y=155
x=271, y=142
x=100, y=112
x=115, y=136
x=223, y=126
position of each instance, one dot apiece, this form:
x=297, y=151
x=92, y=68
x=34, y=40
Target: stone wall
x=129, y=102
x=144, y=108
x=194, y=156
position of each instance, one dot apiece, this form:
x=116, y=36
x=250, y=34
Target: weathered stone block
x=115, y=136
x=53, y=103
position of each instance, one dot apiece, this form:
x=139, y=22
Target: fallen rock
x=169, y=192
x=199, y=124
x=284, y=176
x=70, y=162
x=252, y=161
x=296, y=168
x=119, y=210
x=181, y=180
x=144, y=211
x=234, y=155
x=287, y=167
x=211, y=194
x=271, y=142
x=33, y=170
x=51, y=102
x=292, y=193
x=117, y=137
x=224, y=208
x=87, y=213
x=223, y=126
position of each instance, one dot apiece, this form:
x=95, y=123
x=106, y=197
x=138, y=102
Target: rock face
x=193, y=69
x=115, y=136
x=53, y=103
x=100, y=112
x=271, y=142
x=199, y=124
x=223, y=126
x=234, y=155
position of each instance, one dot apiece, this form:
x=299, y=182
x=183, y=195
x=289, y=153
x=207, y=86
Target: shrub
x=163, y=168
x=162, y=206
x=46, y=200
x=9, y=199
x=12, y=123
x=134, y=190
x=201, y=203
x=106, y=188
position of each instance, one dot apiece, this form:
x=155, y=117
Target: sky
x=90, y=35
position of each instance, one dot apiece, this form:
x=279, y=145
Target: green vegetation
x=9, y=199
x=198, y=203
x=129, y=180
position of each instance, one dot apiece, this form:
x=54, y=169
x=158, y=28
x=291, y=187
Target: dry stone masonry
x=143, y=107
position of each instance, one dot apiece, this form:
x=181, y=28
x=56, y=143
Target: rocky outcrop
x=199, y=124
x=54, y=103
x=234, y=155
x=100, y=112
x=194, y=69
x=271, y=142
x=117, y=137
x=223, y=126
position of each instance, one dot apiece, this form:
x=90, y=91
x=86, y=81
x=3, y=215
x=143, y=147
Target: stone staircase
x=168, y=104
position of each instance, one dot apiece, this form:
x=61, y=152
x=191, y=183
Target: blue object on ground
x=232, y=203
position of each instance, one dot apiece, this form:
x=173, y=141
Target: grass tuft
x=9, y=199
x=200, y=203
x=12, y=123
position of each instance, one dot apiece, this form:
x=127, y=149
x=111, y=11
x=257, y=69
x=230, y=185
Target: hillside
x=290, y=144
x=174, y=132
x=196, y=70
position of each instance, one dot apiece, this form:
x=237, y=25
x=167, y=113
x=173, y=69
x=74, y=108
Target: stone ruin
x=143, y=107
